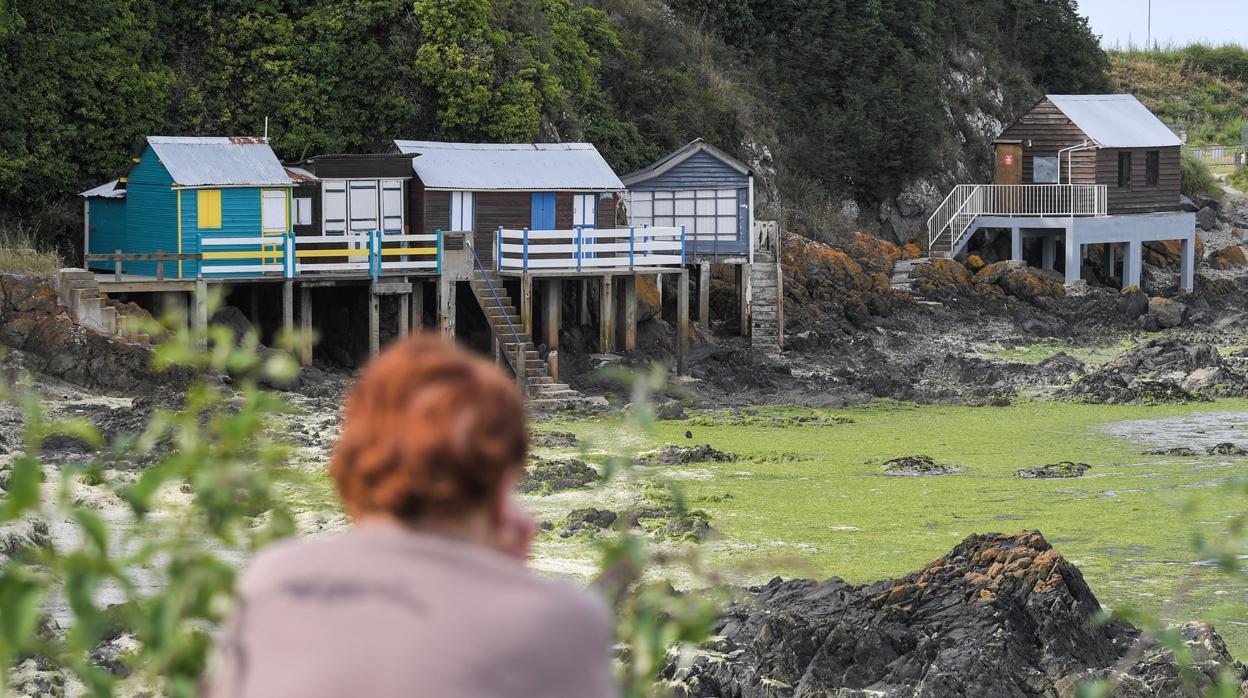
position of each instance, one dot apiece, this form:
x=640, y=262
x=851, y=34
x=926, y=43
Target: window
x=273, y=211
x=584, y=210
x=302, y=211
x=707, y=214
x=362, y=206
x=208, y=208
x=463, y=213
x=1152, y=169
x=392, y=206
x=1044, y=170
x=1124, y=170
x=334, y=207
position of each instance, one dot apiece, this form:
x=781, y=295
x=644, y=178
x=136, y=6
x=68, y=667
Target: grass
x=1188, y=85
x=20, y=254
x=820, y=506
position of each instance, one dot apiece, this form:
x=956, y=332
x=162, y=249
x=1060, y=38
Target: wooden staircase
x=78, y=291
x=767, y=292
x=500, y=311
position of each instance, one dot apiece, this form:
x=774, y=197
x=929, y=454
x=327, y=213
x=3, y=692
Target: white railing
x=584, y=249
x=970, y=201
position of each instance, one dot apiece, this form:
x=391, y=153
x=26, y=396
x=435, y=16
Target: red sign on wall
x=1009, y=160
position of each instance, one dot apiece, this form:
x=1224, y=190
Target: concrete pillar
x=744, y=300
x=1187, y=275
x=630, y=312
x=1048, y=252
x=553, y=312
x=526, y=303
x=1016, y=244
x=288, y=306
x=1132, y=264
x=305, y=325
x=446, y=307
x=374, y=323
x=682, y=323
x=704, y=296
x=1111, y=251
x=417, y=322
x=1074, y=260
x=606, y=316
x=584, y=301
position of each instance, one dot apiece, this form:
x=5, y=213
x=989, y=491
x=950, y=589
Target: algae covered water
x=807, y=494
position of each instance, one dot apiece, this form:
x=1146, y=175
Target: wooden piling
x=446, y=307
x=288, y=306
x=305, y=325
x=682, y=323
x=553, y=315
x=606, y=316
x=526, y=303
x=704, y=296
x=630, y=312
x=744, y=297
x=405, y=314
x=374, y=323
x=584, y=302
x=418, y=306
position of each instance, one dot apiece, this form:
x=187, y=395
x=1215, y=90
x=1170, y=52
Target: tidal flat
x=807, y=496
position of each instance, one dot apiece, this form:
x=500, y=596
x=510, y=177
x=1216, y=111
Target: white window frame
x=584, y=210
x=301, y=210
x=707, y=214
x=334, y=200
x=273, y=202
x=463, y=211
x=1056, y=176
x=384, y=216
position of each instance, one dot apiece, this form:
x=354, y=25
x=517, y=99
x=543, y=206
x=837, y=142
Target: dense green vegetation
x=847, y=95
x=1203, y=87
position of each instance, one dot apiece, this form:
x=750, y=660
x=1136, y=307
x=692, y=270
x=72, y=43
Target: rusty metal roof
x=511, y=166
x=1115, y=121
x=195, y=161
x=298, y=175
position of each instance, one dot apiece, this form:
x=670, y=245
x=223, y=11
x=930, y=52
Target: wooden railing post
x=117, y=265
x=160, y=265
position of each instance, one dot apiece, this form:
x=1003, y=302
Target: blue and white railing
x=589, y=249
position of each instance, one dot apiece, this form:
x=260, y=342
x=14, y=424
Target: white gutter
x=1086, y=145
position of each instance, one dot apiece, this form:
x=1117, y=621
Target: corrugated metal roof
x=195, y=161
x=105, y=191
x=1115, y=121
x=299, y=175
x=678, y=156
x=511, y=166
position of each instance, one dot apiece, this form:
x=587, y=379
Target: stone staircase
x=767, y=299
x=902, y=280
x=500, y=311
x=79, y=293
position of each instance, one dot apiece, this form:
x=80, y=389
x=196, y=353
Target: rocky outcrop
x=49, y=342
x=1161, y=370
x=1231, y=256
x=842, y=288
x=1000, y=615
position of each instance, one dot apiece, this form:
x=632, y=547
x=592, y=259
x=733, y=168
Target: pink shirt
x=386, y=612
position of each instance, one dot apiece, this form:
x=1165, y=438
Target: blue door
x=543, y=211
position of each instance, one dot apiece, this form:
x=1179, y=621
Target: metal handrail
x=969, y=201
x=518, y=366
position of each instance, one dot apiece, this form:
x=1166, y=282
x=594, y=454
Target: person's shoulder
x=568, y=604
x=281, y=559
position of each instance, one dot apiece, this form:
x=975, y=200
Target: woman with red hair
x=427, y=594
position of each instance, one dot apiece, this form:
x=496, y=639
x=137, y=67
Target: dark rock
x=1053, y=471
x=554, y=439
x=1164, y=313
x=917, y=466
x=588, y=519
x=1134, y=303
x=547, y=476
x=1161, y=370
x=1188, y=205
x=690, y=528
x=1226, y=449
x=1231, y=256
x=671, y=409
x=1171, y=451
x=1000, y=615
x=1207, y=218
x=684, y=455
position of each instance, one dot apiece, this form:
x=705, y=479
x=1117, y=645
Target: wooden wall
x=1049, y=131
x=1139, y=197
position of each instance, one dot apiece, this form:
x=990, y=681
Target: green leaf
x=23, y=491
x=19, y=611
x=94, y=528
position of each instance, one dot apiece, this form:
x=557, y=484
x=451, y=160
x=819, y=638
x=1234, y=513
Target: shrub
x=1197, y=180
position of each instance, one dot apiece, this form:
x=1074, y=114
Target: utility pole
x=1150, y=25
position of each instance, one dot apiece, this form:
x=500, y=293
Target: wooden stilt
x=305, y=325
x=405, y=314
x=374, y=323
x=418, y=306
x=682, y=323
x=584, y=299
x=554, y=312
x=704, y=296
x=446, y=307
x=288, y=306
x=606, y=317
x=744, y=300
x=630, y=313
x=526, y=303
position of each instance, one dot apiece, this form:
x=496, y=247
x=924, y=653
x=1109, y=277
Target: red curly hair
x=429, y=429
